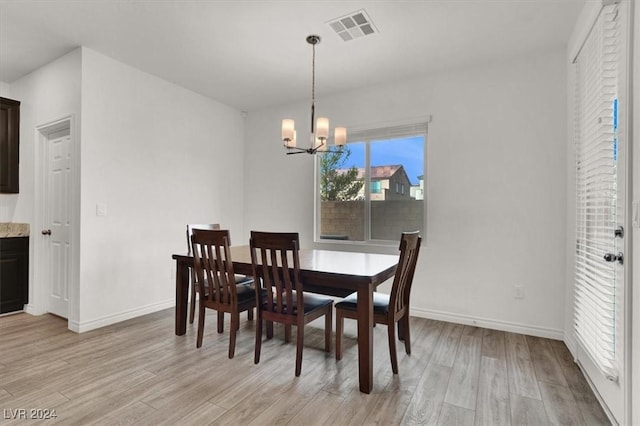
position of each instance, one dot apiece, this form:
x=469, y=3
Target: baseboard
x=81, y=327
x=571, y=343
x=31, y=309
x=549, y=333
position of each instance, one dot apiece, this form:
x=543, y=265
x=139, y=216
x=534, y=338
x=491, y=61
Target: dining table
x=334, y=273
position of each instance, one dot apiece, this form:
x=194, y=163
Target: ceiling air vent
x=353, y=25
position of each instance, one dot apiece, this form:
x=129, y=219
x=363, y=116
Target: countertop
x=10, y=230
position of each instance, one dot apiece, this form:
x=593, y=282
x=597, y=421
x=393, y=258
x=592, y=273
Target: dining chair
x=193, y=284
x=240, y=279
x=217, y=285
x=387, y=308
x=279, y=292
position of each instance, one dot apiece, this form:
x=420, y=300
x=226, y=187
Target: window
x=386, y=161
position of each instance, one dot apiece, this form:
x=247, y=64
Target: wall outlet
x=101, y=209
x=518, y=292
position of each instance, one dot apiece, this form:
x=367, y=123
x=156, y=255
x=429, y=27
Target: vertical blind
x=595, y=129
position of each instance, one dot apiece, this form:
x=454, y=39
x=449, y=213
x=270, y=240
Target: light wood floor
x=139, y=372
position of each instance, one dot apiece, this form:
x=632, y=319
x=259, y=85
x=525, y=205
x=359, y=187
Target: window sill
x=375, y=246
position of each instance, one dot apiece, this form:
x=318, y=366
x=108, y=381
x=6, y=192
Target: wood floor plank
x=185, y=389
x=339, y=381
x=91, y=406
x=522, y=377
x=100, y=382
x=452, y=415
x=527, y=411
x=391, y=408
x=15, y=348
x=445, y=351
x=463, y=386
x=21, y=381
x=472, y=330
x=4, y=395
x=202, y=414
x=193, y=412
x=250, y=407
x=426, y=404
x=426, y=334
x=354, y=409
x=318, y=410
x=493, y=345
x=135, y=413
x=286, y=408
x=560, y=406
x=493, y=407
x=544, y=361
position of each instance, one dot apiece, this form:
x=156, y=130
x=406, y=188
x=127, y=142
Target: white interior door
x=57, y=214
x=601, y=155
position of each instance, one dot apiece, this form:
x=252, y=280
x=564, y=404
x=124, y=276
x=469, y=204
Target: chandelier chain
x=313, y=75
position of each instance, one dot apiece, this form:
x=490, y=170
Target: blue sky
x=407, y=151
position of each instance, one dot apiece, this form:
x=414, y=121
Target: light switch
x=101, y=209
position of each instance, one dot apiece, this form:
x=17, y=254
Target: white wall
x=495, y=178
x=46, y=95
x=5, y=90
x=159, y=157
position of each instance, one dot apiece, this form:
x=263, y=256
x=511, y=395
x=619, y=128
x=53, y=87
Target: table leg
x=365, y=338
x=182, y=296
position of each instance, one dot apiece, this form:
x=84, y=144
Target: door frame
x=40, y=286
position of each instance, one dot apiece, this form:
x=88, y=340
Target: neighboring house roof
x=384, y=172
x=377, y=172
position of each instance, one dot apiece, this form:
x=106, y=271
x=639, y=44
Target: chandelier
x=319, y=137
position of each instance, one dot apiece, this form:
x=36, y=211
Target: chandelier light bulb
x=288, y=129
x=322, y=128
x=340, y=136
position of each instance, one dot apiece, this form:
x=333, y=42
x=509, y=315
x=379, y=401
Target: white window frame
x=368, y=134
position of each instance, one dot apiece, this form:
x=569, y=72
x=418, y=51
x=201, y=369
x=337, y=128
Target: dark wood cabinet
x=14, y=274
x=9, y=145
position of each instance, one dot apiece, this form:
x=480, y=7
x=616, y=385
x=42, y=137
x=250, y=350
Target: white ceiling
x=252, y=54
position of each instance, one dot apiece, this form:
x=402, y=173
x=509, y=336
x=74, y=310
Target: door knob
x=619, y=232
x=610, y=257
x=46, y=232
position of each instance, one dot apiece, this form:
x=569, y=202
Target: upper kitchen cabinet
x=9, y=145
